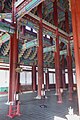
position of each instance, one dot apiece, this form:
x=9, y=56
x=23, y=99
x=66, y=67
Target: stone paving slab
x=31, y=108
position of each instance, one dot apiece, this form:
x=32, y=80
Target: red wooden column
x=47, y=80
x=63, y=72
x=34, y=78
x=23, y=30
x=70, y=73
x=57, y=54
x=75, y=9
x=18, y=83
x=13, y=64
x=55, y=18
x=13, y=77
x=40, y=53
x=69, y=59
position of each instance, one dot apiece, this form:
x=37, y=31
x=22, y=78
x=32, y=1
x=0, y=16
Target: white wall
x=26, y=78
x=51, y=78
x=4, y=78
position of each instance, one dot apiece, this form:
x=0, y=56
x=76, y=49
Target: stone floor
x=31, y=108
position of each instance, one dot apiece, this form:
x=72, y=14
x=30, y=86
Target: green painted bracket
x=62, y=52
x=4, y=38
x=30, y=44
x=6, y=28
x=48, y=49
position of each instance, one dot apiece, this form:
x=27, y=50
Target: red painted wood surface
x=13, y=76
x=47, y=80
x=63, y=72
x=57, y=55
x=40, y=52
x=34, y=78
x=75, y=10
x=13, y=65
x=69, y=59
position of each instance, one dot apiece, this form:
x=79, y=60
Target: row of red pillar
x=13, y=86
x=14, y=77
x=75, y=9
x=57, y=57
x=34, y=86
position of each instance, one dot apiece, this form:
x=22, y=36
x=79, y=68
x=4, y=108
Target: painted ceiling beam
x=63, y=52
x=52, y=48
x=26, y=8
x=6, y=16
x=18, y=2
x=49, y=49
x=49, y=32
x=48, y=25
x=6, y=28
x=34, y=43
x=4, y=38
x=31, y=33
x=30, y=44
